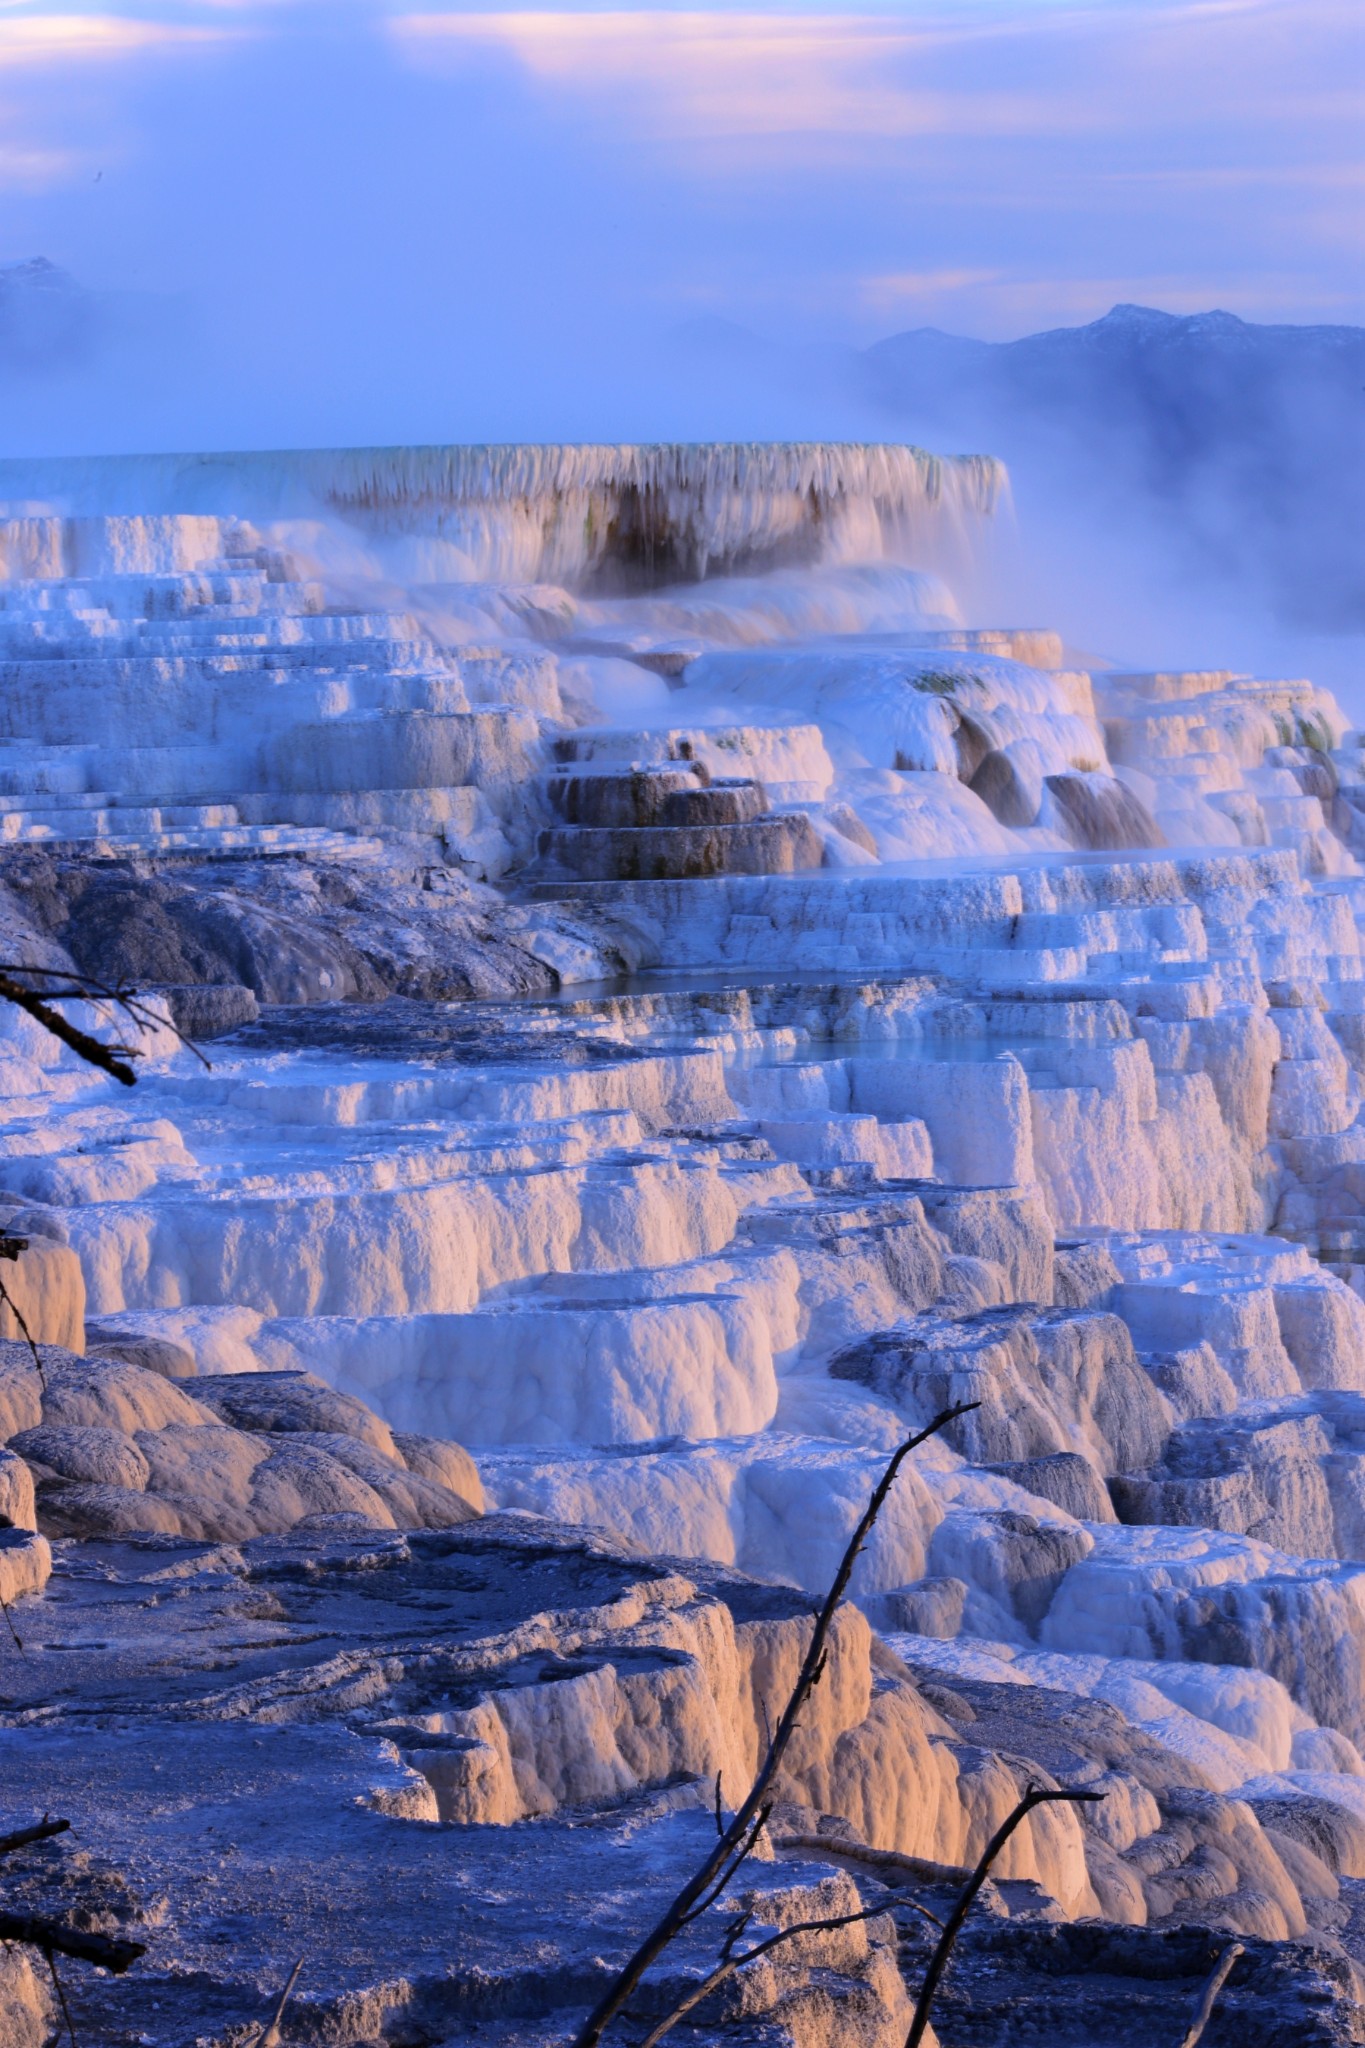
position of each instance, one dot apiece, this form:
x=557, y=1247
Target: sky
x=356, y=220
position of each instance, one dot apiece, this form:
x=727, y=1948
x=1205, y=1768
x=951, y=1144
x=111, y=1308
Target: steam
x=576, y=515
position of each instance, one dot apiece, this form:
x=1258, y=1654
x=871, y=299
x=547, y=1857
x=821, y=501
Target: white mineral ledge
x=668, y=1038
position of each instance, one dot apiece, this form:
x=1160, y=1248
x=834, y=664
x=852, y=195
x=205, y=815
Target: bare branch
x=10, y=1248
x=701, y=1882
x=9, y=1624
x=61, y=1996
x=720, y=1817
x=914, y=1906
x=42, y=1831
x=57, y=984
x=269, y=2037
x=89, y=989
x=730, y=1963
x=111, y=1060
x=1036, y=1795
x=742, y=1854
x=736, y=1933
x=37, y=1932
x=746, y=1849
x=1222, y=1970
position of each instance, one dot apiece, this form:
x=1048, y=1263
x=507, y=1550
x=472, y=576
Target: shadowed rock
x=1003, y=790
x=1064, y=1478
x=1102, y=813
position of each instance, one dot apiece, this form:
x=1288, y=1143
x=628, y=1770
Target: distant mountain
x=47, y=320
x=1167, y=344
x=1251, y=438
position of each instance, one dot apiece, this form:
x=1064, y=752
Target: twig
x=270, y=2036
x=123, y=994
x=10, y=1248
x=42, y=1831
x=736, y=1930
x=1222, y=1970
x=720, y=1818
x=701, y=1882
x=37, y=1932
x=61, y=1996
x=1036, y=1795
x=742, y=1854
x=9, y=1624
x=730, y=1963
x=110, y=1059
x=914, y=1906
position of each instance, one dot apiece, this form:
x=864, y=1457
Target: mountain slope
x=1253, y=437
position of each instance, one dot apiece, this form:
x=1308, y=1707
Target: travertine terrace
x=682, y=1006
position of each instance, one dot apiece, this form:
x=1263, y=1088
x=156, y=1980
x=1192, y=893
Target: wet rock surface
x=290, y=931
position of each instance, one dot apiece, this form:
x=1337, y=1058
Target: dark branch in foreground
x=110, y=1059
x=1218, y=1977
x=10, y=1248
x=61, y=1997
x=269, y=2036
x=57, y=984
x=730, y=1963
x=15, y=1636
x=53, y=1938
x=56, y=1938
x=706, y=1884
x=1036, y=1795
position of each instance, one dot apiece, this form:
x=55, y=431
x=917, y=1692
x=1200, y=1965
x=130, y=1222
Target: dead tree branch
x=61, y=1996
x=741, y=1855
x=1218, y=1977
x=109, y=1059
x=269, y=2037
x=10, y=1248
x=1036, y=1795
x=55, y=1936
x=15, y=1636
x=729, y=1963
x=57, y=985
x=731, y=1849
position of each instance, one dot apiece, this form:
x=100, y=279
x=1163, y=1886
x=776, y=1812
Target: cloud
x=59, y=38
x=714, y=76
x=892, y=291
x=706, y=74
x=1002, y=71
x=397, y=219
x=35, y=170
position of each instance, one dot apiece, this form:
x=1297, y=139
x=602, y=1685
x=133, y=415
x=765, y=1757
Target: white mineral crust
x=863, y=1012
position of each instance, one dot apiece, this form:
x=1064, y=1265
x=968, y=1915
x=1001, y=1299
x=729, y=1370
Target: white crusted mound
x=990, y=1030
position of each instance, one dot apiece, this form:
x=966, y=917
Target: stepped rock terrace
x=670, y=1035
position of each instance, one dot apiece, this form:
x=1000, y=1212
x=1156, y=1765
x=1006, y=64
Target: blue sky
x=381, y=220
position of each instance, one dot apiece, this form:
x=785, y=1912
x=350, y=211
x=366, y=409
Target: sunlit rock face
x=669, y=1034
